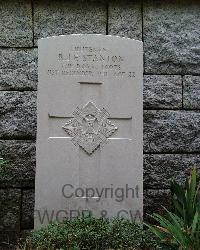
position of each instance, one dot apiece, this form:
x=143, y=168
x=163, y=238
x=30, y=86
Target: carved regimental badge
x=89, y=127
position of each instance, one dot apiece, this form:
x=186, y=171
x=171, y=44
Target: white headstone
x=90, y=128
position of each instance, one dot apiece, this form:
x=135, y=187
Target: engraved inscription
x=91, y=83
x=90, y=61
x=89, y=127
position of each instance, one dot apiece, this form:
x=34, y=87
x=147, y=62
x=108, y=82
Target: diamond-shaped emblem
x=89, y=127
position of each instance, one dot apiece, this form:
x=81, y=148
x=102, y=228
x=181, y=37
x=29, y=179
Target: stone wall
x=170, y=31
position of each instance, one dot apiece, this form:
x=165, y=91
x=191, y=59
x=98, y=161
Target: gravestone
x=90, y=128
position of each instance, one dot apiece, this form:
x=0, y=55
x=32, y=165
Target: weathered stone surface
x=28, y=209
x=125, y=19
x=18, y=69
x=17, y=114
x=8, y=240
x=171, y=131
x=191, y=92
x=16, y=23
x=171, y=37
x=160, y=169
x=162, y=91
x=86, y=160
x=67, y=17
x=20, y=169
x=154, y=200
x=10, y=200
x=24, y=233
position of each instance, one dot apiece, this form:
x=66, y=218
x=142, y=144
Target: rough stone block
x=162, y=91
x=161, y=169
x=171, y=37
x=20, y=169
x=18, y=69
x=67, y=17
x=8, y=240
x=171, y=131
x=191, y=92
x=28, y=209
x=125, y=19
x=16, y=23
x=154, y=200
x=10, y=200
x=25, y=233
x=17, y=114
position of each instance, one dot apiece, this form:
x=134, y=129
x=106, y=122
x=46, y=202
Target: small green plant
x=3, y=162
x=3, y=167
x=180, y=229
x=91, y=233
